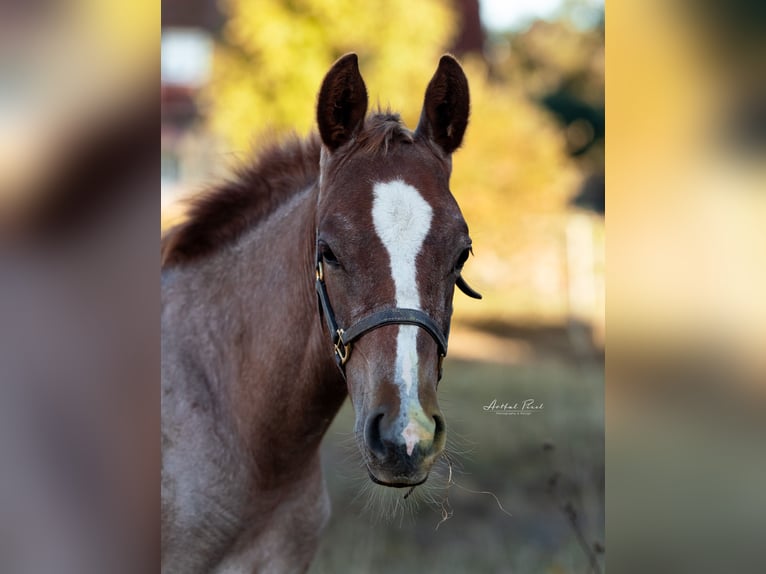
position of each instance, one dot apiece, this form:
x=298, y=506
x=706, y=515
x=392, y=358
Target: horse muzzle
x=400, y=454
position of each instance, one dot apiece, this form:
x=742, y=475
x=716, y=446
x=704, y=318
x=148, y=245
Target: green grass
x=504, y=455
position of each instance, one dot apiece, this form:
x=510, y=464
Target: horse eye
x=328, y=255
x=462, y=259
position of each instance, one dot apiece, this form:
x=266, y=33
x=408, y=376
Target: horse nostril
x=372, y=434
x=439, y=432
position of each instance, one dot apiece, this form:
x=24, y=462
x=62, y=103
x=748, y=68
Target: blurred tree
x=274, y=53
x=561, y=66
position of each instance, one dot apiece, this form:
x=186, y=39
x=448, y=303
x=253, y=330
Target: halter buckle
x=342, y=350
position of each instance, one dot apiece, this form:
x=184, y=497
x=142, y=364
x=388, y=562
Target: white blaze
x=402, y=219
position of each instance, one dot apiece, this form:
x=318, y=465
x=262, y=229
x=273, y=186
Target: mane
x=219, y=216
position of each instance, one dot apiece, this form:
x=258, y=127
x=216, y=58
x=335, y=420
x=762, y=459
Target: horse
x=325, y=269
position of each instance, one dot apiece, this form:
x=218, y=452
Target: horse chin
x=398, y=481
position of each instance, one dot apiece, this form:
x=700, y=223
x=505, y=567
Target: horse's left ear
x=446, y=106
x=342, y=102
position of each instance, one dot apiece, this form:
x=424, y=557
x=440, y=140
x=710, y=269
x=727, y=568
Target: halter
x=343, y=338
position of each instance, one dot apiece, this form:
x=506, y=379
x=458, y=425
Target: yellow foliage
x=268, y=70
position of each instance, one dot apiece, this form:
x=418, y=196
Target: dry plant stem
x=446, y=508
x=570, y=513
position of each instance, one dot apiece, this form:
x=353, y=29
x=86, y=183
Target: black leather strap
x=325, y=308
x=397, y=316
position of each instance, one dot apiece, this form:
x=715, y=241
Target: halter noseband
x=343, y=338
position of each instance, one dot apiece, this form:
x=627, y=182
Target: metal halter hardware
x=343, y=338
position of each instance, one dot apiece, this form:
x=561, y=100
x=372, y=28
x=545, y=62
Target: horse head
x=390, y=246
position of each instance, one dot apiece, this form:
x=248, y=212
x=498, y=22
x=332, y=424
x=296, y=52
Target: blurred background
x=79, y=297
x=686, y=360
x=530, y=181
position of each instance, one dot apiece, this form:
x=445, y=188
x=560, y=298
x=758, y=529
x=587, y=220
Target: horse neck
x=286, y=389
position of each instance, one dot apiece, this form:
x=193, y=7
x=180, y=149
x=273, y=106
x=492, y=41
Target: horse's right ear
x=342, y=102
